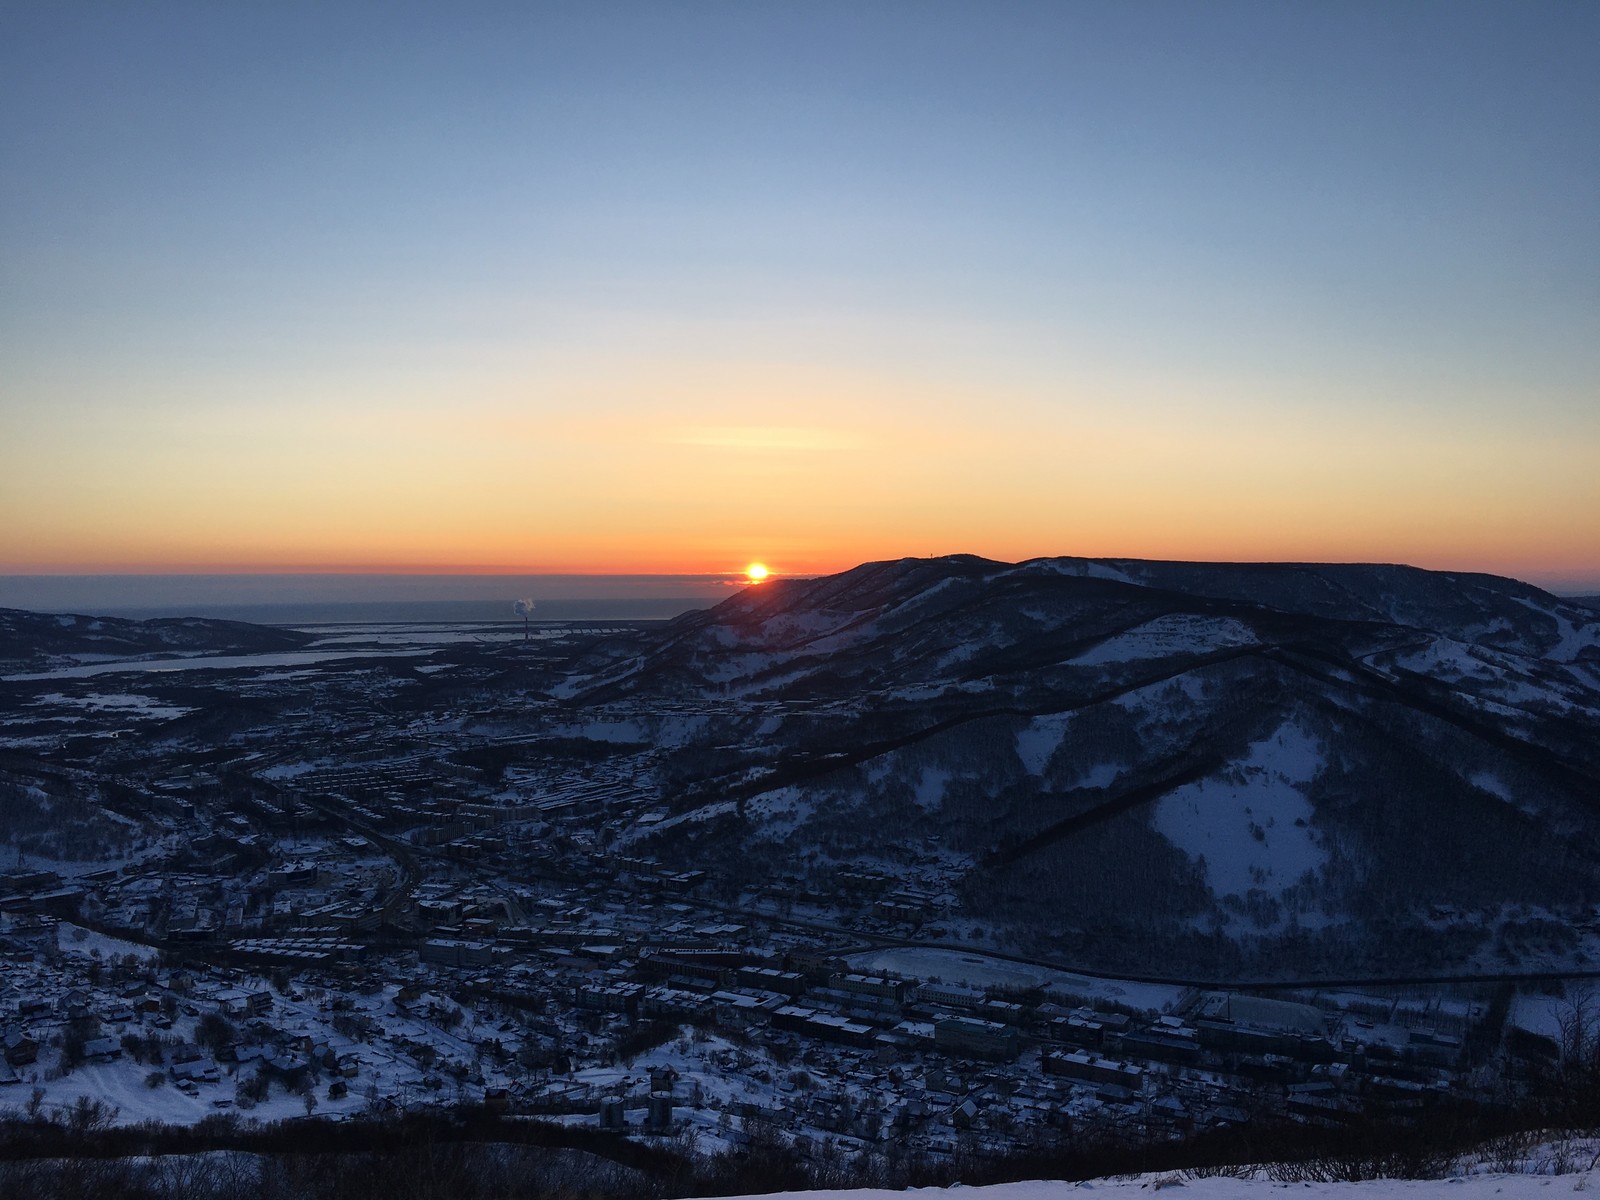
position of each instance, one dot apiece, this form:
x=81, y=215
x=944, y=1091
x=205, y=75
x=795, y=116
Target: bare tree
x=1578, y=1079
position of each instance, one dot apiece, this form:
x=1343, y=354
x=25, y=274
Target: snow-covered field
x=980, y=970
x=123, y=704
x=1545, y=1014
x=86, y=941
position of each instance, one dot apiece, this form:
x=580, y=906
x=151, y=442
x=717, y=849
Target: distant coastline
x=350, y=599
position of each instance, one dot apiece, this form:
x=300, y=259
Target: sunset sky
x=673, y=287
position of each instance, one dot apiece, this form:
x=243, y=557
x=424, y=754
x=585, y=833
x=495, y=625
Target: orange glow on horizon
x=680, y=469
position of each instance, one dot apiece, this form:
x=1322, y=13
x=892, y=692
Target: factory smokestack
x=524, y=610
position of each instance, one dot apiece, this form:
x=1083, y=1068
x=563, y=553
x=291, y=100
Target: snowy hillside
x=1218, y=767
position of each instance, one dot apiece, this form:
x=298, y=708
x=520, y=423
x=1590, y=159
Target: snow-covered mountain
x=1173, y=768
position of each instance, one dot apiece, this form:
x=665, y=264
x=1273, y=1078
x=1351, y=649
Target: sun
x=756, y=572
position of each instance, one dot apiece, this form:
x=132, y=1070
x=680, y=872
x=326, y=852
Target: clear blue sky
x=283, y=282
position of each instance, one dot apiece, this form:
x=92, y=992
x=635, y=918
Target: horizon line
x=1569, y=581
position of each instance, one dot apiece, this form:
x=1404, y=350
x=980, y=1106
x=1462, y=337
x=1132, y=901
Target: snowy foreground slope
x=1465, y=1187
x=1231, y=769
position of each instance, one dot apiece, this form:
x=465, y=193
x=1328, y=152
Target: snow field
x=1178, y=633
x=1040, y=739
x=1246, y=827
x=980, y=970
